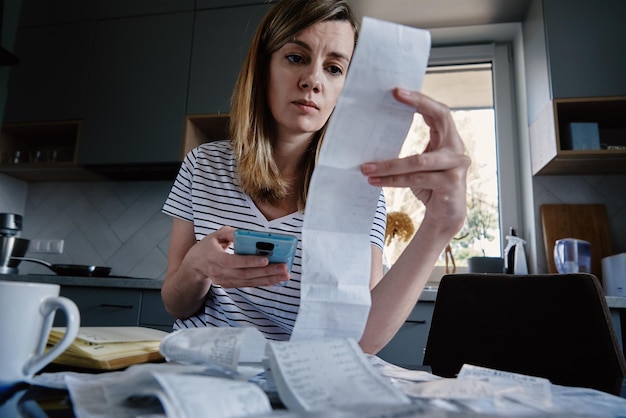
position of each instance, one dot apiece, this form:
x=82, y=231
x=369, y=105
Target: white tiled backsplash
x=116, y=224
x=120, y=224
x=607, y=190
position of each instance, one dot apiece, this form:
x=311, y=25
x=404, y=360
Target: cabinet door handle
x=108, y=305
x=419, y=321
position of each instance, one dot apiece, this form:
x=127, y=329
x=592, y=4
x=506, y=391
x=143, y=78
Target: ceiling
x=430, y=14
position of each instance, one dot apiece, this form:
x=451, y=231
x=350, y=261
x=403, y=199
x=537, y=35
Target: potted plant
x=477, y=231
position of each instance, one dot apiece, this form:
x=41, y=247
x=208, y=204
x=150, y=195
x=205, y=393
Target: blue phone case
x=280, y=248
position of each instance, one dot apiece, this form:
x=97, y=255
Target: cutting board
x=586, y=222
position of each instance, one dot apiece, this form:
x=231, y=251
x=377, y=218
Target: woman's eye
x=296, y=59
x=333, y=69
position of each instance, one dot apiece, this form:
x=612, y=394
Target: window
x=475, y=83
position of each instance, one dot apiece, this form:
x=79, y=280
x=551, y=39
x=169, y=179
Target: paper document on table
x=368, y=124
x=235, y=398
x=488, y=391
x=327, y=374
x=227, y=347
x=181, y=391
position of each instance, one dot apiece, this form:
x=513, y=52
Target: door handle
x=108, y=305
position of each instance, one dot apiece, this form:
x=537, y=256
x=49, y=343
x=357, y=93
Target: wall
x=116, y=224
x=597, y=189
x=13, y=194
x=120, y=224
x=7, y=37
x=607, y=190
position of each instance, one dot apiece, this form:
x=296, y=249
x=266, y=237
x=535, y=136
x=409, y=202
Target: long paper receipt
x=368, y=124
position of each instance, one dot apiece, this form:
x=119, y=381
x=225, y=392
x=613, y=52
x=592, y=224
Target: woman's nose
x=311, y=80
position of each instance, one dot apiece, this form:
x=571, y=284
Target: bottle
x=514, y=255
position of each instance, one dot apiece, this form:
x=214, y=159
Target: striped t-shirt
x=207, y=193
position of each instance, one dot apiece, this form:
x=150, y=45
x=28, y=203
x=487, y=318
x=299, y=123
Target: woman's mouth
x=306, y=105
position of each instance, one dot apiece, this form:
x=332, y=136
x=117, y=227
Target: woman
x=285, y=93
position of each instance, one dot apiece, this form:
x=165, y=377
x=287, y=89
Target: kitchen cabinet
x=124, y=77
x=574, y=73
x=45, y=102
x=100, y=306
x=617, y=317
x=42, y=151
x=45, y=12
x=222, y=37
x=551, y=137
x=135, y=105
x=153, y=314
x=50, y=81
x=108, y=306
x=116, y=95
x=220, y=44
x=406, y=349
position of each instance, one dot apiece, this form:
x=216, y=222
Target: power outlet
x=46, y=246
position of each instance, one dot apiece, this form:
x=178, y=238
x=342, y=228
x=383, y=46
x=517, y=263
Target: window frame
x=500, y=56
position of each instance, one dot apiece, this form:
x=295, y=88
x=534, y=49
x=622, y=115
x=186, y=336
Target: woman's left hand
x=437, y=177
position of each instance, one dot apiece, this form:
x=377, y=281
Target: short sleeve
x=179, y=202
x=377, y=235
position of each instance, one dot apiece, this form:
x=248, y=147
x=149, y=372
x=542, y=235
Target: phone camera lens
x=264, y=248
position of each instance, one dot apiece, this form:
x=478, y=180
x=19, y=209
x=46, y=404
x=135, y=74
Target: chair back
x=555, y=326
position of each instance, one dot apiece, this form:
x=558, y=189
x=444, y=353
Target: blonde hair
x=250, y=117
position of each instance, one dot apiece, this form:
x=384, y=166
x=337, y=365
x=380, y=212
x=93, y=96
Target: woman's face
x=306, y=76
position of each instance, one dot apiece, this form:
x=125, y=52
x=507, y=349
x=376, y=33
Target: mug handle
x=556, y=252
x=48, y=308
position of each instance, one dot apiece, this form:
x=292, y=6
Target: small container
x=572, y=255
x=485, y=264
x=10, y=224
x=514, y=255
x=614, y=275
x=16, y=158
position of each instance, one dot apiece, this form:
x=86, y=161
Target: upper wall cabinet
x=586, y=44
x=118, y=87
x=45, y=103
x=573, y=51
x=220, y=44
x=46, y=12
x=136, y=96
x=50, y=81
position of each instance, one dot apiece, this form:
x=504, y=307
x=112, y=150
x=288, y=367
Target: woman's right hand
x=210, y=259
x=194, y=266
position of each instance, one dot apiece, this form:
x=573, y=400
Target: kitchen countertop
x=112, y=281
x=618, y=302
x=614, y=302
x=428, y=295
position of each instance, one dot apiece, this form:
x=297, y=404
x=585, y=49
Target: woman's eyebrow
x=308, y=48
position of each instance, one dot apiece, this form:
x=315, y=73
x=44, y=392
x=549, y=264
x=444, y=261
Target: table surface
x=40, y=402
x=34, y=401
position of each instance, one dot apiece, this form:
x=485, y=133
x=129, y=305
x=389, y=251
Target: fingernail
x=403, y=92
x=368, y=168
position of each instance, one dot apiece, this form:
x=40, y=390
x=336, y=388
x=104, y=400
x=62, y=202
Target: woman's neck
x=288, y=152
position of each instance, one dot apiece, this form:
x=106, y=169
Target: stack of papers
x=324, y=378
x=109, y=348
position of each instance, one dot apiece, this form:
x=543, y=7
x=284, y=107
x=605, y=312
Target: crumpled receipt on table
x=368, y=124
x=164, y=390
x=226, y=347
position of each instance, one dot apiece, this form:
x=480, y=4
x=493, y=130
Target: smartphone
x=280, y=248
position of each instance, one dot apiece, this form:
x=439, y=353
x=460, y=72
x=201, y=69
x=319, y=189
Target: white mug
x=26, y=314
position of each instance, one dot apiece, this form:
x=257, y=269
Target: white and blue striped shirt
x=206, y=192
